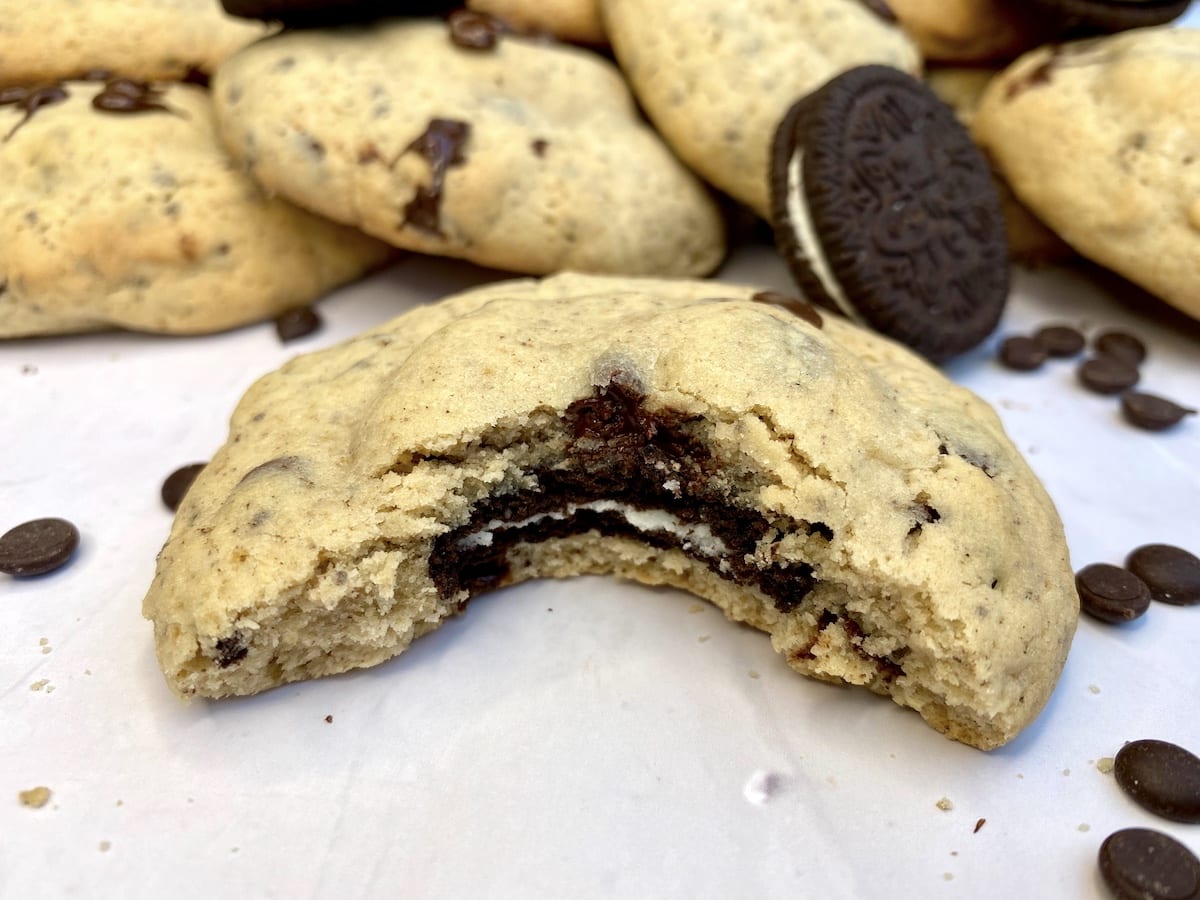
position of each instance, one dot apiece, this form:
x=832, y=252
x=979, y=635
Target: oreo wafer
x=885, y=209
x=1080, y=17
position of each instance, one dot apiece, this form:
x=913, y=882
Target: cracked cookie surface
x=813, y=480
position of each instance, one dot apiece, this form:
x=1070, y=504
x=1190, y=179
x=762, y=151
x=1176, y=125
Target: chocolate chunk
x=1107, y=375
x=1111, y=594
x=177, y=483
x=885, y=209
x=37, y=547
x=441, y=145
x=231, y=650
x=124, y=95
x=297, y=322
x=325, y=13
x=1161, y=777
x=1141, y=864
x=801, y=308
x=1076, y=18
x=30, y=100
x=1060, y=341
x=474, y=30
x=197, y=76
x=1121, y=345
x=881, y=9
x=1022, y=354
x=539, y=146
x=1171, y=573
x=1152, y=412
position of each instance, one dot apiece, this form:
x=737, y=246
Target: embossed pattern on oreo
x=904, y=206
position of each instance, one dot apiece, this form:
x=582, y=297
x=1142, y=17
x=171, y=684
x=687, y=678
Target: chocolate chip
x=794, y=305
x=197, y=76
x=1060, y=341
x=881, y=9
x=1141, y=864
x=1171, y=573
x=441, y=145
x=1107, y=374
x=474, y=30
x=539, y=145
x=177, y=483
x=231, y=650
x=1122, y=345
x=296, y=323
x=37, y=547
x=123, y=95
x=30, y=100
x=1152, y=412
x=1111, y=594
x=1161, y=777
x=1022, y=354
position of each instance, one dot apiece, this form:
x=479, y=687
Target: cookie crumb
x=753, y=674
x=329, y=720
x=761, y=787
x=945, y=804
x=49, y=689
x=696, y=608
x=120, y=803
x=702, y=638
x=35, y=798
x=104, y=846
x=1105, y=765
x=949, y=876
x=39, y=684
x=87, y=671
x=1094, y=688
x=29, y=369
x=979, y=824
x=47, y=649
x=1084, y=826
x=1066, y=771
x=42, y=642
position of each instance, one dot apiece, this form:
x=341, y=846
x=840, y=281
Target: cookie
x=567, y=20
x=1101, y=140
x=716, y=80
x=147, y=40
x=819, y=483
x=1030, y=240
x=120, y=209
x=1098, y=16
x=969, y=31
x=526, y=156
x=327, y=13
x=885, y=210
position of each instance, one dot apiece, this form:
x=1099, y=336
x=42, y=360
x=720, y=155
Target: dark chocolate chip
x=1060, y=341
x=794, y=305
x=1077, y=18
x=1022, y=354
x=1122, y=345
x=231, y=650
x=881, y=9
x=1142, y=864
x=1111, y=594
x=1161, y=777
x=441, y=145
x=30, y=100
x=1152, y=412
x=325, y=13
x=1171, y=573
x=96, y=75
x=37, y=547
x=296, y=323
x=197, y=76
x=1107, y=375
x=901, y=224
x=539, y=146
x=474, y=30
x=123, y=95
x=177, y=483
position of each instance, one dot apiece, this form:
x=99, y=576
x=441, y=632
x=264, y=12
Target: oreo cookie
x=324, y=13
x=1077, y=18
x=886, y=211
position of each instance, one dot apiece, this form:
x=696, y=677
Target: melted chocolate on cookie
x=441, y=145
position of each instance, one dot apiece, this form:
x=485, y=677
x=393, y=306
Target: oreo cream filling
x=808, y=238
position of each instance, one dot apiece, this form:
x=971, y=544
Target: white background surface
x=584, y=738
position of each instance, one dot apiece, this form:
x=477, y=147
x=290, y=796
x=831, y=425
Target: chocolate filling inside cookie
x=627, y=473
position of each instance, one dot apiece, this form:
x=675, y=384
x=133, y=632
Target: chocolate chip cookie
x=814, y=480
x=521, y=155
x=120, y=209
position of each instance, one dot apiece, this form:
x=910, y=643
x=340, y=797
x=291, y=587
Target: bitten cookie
x=811, y=479
x=522, y=155
x=568, y=20
x=120, y=208
x=51, y=40
x=1030, y=240
x=1101, y=139
x=716, y=78
x=969, y=31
